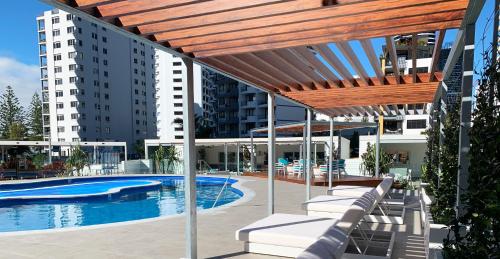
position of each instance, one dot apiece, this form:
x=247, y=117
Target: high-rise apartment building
x=97, y=85
x=170, y=79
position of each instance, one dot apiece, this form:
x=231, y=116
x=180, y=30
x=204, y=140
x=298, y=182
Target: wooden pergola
x=283, y=45
x=285, y=48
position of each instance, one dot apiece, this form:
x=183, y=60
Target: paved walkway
x=164, y=238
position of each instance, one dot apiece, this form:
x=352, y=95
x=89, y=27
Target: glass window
x=56, y=33
x=416, y=124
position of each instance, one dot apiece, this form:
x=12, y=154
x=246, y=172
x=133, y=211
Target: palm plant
x=159, y=159
x=76, y=161
x=171, y=156
x=369, y=160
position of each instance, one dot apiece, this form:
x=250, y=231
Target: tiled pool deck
x=164, y=238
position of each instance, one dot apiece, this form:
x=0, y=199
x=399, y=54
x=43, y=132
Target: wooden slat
x=391, y=48
x=247, y=39
x=300, y=67
x=133, y=7
x=333, y=38
x=365, y=96
x=373, y=59
x=309, y=57
x=335, y=62
x=203, y=7
x=285, y=65
x=317, y=18
x=436, y=53
x=230, y=16
x=349, y=54
x=88, y=3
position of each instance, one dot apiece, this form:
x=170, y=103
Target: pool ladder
x=223, y=187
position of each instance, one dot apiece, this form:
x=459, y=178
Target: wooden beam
x=349, y=54
x=309, y=57
x=391, y=48
x=373, y=59
x=315, y=18
x=139, y=6
x=203, y=21
x=332, y=38
x=220, y=41
x=436, y=54
x=301, y=68
x=286, y=65
x=87, y=3
x=274, y=67
x=335, y=62
x=202, y=7
x=366, y=96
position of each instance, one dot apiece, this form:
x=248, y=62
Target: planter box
x=433, y=233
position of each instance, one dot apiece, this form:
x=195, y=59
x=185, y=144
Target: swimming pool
x=100, y=200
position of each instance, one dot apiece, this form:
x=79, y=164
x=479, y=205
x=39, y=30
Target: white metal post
x=330, y=156
x=377, y=153
x=300, y=151
x=271, y=142
x=315, y=153
x=308, y=155
x=304, y=151
x=339, y=152
x=50, y=150
x=252, y=167
x=189, y=163
x=125, y=163
x=146, y=151
x=95, y=154
x=225, y=157
x=238, y=158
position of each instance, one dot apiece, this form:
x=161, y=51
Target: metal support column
x=238, y=158
x=315, y=153
x=189, y=162
x=252, y=160
x=95, y=155
x=308, y=155
x=271, y=142
x=225, y=157
x=465, y=116
x=339, y=152
x=300, y=151
x=50, y=151
x=330, y=156
x=126, y=159
x=377, y=152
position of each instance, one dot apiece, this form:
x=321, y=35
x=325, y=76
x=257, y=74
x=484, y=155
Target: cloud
x=24, y=78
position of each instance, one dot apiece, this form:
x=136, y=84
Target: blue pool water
x=129, y=204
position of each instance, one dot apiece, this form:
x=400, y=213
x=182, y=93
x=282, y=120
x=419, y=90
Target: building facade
x=97, y=85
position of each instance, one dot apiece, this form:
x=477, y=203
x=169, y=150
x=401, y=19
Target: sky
x=19, y=54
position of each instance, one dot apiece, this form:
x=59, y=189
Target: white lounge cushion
x=333, y=204
x=286, y=230
x=349, y=190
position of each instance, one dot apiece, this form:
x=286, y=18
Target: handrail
x=218, y=195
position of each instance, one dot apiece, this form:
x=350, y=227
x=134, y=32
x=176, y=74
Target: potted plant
x=369, y=160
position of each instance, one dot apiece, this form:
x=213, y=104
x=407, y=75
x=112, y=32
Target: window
x=177, y=96
x=74, y=128
x=135, y=61
x=69, y=17
x=136, y=91
x=106, y=107
x=60, y=129
x=74, y=116
x=177, y=104
x=73, y=91
x=107, y=130
x=59, y=81
x=94, y=35
x=59, y=93
x=135, y=50
x=177, y=113
x=59, y=106
x=105, y=62
x=80, y=43
x=56, y=33
x=41, y=25
x=105, y=73
x=74, y=104
x=106, y=85
x=75, y=139
x=104, y=39
x=57, y=69
x=94, y=47
x=72, y=79
x=177, y=80
x=72, y=67
x=55, y=20
x=57, y=57
x=107, y=118
x=95, y=59
x=57, y=45
x=177, y=88
x=72, y=54
x=71, y=42
x=416, y=124
x=105, y=51
x=177, y=63
x=177, y=72
x=106, y=96
x=70, y=29
x=60, y=117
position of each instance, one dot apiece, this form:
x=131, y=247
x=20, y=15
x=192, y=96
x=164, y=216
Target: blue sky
x=19, y=53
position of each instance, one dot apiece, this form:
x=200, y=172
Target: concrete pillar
x=271, y=155
x=377, y=153
x=146, y=151
x=189, y=163
x=308, y=155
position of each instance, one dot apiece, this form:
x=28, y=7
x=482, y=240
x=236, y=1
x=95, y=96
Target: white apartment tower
x=97, y=85
x=171, y=78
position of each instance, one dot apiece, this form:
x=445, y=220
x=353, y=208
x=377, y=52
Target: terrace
x=281, y=47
